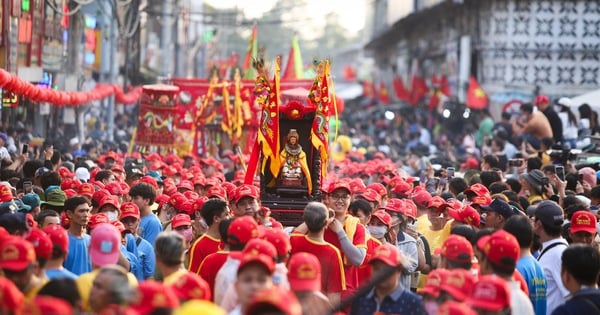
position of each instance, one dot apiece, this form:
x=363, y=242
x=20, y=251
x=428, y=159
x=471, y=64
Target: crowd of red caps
x=187, y=187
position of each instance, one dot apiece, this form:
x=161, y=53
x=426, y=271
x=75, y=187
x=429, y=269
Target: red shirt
x=364, y=271
x=210, y=266
x=332, y=271
x=359, y=240
x=202, y=247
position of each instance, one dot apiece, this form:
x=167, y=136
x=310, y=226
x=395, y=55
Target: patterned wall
x=553, y=44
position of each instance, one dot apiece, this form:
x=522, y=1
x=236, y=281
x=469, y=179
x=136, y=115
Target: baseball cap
x=41, y=242
x=59, y=237
x=68, y=183
x=500, y=248
x=105, y=245
x=434, y=281
x=16, y=254
x=114, y=188
x=217, y=192
x=490, y=293
x=109, y=200
x=181, y=219
x=40, y=171
x=421, y=197
x=384, y=217
x=304, y=272
x=402, y=188
x=437, y=202
x=379, y=188
x=250, y=258
x=394, y=205
x=154, y=295
x=357, y=186
x=458, y=283
x=455, y=308
x=246, y=191
x=12, y=298
x=456, y=248
x=190, y=286
x=479, y=194
x=550, y=213
x=65, y=172
x=339, y=184
x=278, y=298
x=465, y=214
x=97, y=218
x=83, y=174
x=583, y=221
x=279, y=239
x=119, y=225
x=371, y=195
x=86, y=189
x=48, y=305
x=186, y=184
x=5, y=193
x=241, y=230
x=99, y=194
x=129, y=209
x=470, y=163
x=260, y=246
x=501, y=207
x=388, y=254
x=31, y=199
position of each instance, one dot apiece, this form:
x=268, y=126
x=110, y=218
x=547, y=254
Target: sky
x=351, y=17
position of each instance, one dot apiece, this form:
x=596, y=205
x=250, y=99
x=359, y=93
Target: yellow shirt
x=33, y=291
x=423, y=223
x=435, y=239
x=172, y=278
x=85, y=282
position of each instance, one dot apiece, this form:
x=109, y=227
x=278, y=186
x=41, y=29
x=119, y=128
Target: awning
x=348, y=91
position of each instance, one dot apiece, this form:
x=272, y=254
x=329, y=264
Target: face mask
x=412, y=225
x=187, y=234
x=377, y=232
x=431, y=307
x=112, y=216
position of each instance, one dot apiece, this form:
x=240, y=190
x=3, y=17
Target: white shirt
x=550, y=262
x=225, y=278
x=519, y=301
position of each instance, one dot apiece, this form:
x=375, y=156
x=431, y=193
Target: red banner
x=158, y=116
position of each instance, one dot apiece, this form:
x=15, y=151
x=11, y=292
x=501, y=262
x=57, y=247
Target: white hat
x=565, y=101
x=82, y=174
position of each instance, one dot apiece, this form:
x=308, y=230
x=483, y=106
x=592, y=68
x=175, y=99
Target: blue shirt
x=584, y=301
x=534, y=276
x=134, y=264
x=78, y=259
x=60, y=274
x=150, y=227
x=146, y=257
x=400, y=301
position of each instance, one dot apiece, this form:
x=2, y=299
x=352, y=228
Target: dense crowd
x=467, y=228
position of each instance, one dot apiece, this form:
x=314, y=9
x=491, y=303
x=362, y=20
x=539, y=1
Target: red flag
x=383, y=94
x=294, y=67
x=349, y=73
x=322, y=97
x=444, y=86
x=476, y=97
x=418, y=89
x=368, y=89
x=434, y=99
x=400, y=90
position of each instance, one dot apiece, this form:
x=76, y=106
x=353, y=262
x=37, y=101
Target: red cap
x=114, y=188
x=211, y=182
x=191, y=195
x=16, y=254
x=48, y=305
x=5, y=193
x=64, y=220
x=371, y=195
x=394, y=205
x=181, y=220
x=69, y=183
x=65, y=172
x=198, y=203
x=252, y=258
x=304, y=272
x=153, y=295
x=388, y=254
x=260, y=246
x=421, y=197
x=434, y=281
x=97, y=218
x=490, y=293
x=482, y=194
x=217, y=192
x=124, y=188
x=470, y=164
x=31, y=221
x=177, y=199
x=456, y=248
x=281, y=299
x=357, y=186
x=340, y=184
x=465, y=214
x=149, y=180
x=401, y=187
x=99, y=194
x=246, y=191
x=169, y=171
x=116, y=168
x=190, y=286
x=242, y=229
x=383, y=216
x=279, y=239
x=410, y=209
x=12, y=298
x=186, y=184
x=70, y=193
x=437, y=202
x=130, y=209
x=455, y=308
x=59, y=237
x=109, y=200
x=500, y=248
x=379, y=188
x=583, y=221
x=119, y=225
x=540, y=99
x=41, y=243
x=161, y=199
x=458, y=283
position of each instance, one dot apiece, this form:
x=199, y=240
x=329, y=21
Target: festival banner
x=158, y=112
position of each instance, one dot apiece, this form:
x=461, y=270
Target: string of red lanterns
x=30, y=91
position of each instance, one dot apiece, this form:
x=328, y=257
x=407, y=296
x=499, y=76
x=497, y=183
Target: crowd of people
x=476, y=229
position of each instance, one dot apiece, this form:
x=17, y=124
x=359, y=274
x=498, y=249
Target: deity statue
x=294, y=166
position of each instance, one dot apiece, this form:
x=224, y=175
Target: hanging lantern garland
x=16, y=85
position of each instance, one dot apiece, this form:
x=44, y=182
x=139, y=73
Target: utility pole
x=166, y=37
